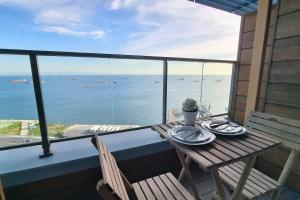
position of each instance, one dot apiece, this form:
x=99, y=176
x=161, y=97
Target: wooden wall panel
x=288, y=25
x=287, y=49
x=239, y=116
x=245, y=56
x=242, y=88
x=248, y=39
x=288, y=6
x=285, y=72
x=240, y=103
x=244, y=73
x=284, y=94
x=250, y=22
x=284, y=111
x=280, y=87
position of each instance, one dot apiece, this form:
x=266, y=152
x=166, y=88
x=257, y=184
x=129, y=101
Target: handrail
x=107, y=55
x=33, y=54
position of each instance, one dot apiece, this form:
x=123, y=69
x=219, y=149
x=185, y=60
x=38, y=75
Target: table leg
x=181, y=175
x=244, y=176
x=218, y=184
x=188, y=173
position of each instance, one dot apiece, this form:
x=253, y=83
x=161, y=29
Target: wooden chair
x=2, y=197
x=115, y=186
x=276, y=128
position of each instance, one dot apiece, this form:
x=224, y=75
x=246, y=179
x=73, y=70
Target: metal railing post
x=40, y=105
x=165, y=91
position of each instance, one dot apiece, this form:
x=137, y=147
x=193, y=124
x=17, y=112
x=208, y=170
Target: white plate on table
x=190, y=135
x=229, y=129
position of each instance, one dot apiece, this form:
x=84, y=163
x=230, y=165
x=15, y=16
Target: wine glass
x=175, y=115
x=204, y=111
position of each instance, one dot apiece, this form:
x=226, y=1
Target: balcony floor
x=205, y=188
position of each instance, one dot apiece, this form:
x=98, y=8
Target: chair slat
x=110, y=171
x=251, y=183
x=254, y=191
x=158, y=194
x=138, y=191
x=274, y=124
x=228, y=180
x=163, y=188
x=147, y=191
x=183, y=191
x=273, y=131
x=260, y=183
x=117, y=176
x=171, y=187
x=260, y=174
x=282, y=120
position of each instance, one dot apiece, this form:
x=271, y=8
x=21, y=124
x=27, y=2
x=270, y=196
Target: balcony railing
x=166, y=75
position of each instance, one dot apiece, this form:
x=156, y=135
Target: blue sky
x=145, y=27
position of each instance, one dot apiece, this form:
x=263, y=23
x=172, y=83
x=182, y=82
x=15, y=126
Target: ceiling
x=238, y=7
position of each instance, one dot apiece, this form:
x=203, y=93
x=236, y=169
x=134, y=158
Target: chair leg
x=288, y=167
x=104, y=192
x=2, y=197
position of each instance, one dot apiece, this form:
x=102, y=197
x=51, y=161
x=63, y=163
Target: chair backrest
x=112, y=176
x=2, y=197
x=283, y=129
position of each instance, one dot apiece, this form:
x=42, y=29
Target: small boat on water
x=115, y=82
x=156, y=81
x=181, y=79
x=195, y=81
x=20, y=81
x=74, y=79
x=89, y=85
x=218, y=80
x=101, y=82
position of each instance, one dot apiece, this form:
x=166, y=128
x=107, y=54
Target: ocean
x=113, y=99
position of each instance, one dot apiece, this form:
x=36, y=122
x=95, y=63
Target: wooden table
x=223, y=151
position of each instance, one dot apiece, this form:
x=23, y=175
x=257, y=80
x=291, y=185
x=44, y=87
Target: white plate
x=211, y=138
x=240, y=131
x=189, y=134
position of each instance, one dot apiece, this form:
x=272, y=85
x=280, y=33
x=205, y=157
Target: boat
x=195, y=81
x=89, y=85
x=115, y=82
x=101, y=82
x=73, y=79
x=218, y=80
x=181, y=79
x=156, y=81
x=20, y=81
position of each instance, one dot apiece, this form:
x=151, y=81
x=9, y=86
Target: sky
x=178, y=28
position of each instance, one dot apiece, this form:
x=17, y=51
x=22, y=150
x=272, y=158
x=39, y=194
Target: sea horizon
x=109, y=99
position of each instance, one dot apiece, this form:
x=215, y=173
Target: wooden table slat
x=230, y=153
x=231, y=147
x=244, y=150
x=201, y=160
x=267, y=142
x=223, y=150
x=248, y=144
